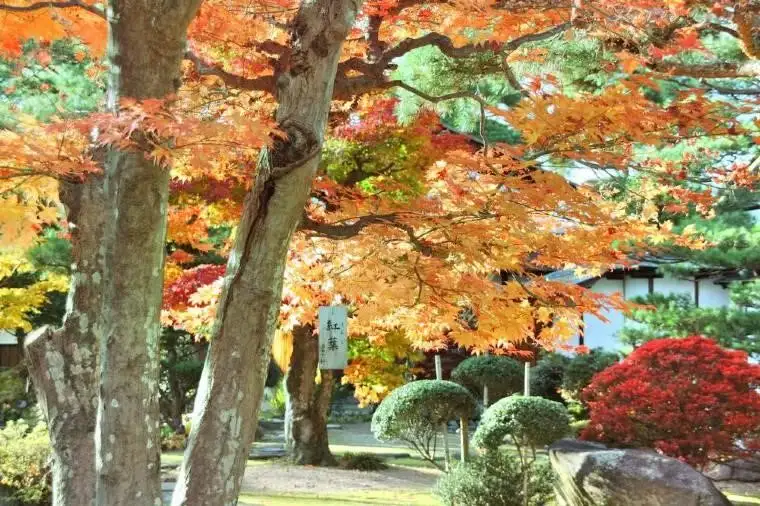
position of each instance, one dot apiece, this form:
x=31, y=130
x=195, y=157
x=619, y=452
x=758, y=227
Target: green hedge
x=547, y=376
x=583, y=367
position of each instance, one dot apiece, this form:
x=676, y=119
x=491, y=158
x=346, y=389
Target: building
x=11, y=352
x=706, y=290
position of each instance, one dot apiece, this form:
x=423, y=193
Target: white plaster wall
x=636, y=287
x=669, y=285
x=7, y=338
x=602, y=334
x=712, y=295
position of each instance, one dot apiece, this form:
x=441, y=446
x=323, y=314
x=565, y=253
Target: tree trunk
x=231, y=387
x=308, y=403
x=63, y=362
x=145, y=49
x=111, y=456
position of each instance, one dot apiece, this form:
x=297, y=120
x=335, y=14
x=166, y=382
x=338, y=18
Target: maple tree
x=432, y=251
x=731, y=260
x=686, y=398
x=21, y=298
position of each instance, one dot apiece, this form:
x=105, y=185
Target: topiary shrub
x=502, y=375
x=494, y=479
x=687, y=398
x=526, y=422
x=547, y=376
x=415, y=412
x=24, y=454
x=362, y=462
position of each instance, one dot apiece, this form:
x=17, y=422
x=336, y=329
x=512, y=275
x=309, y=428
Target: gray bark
x=308, y=403
x=63, y=362
x=229, y=394
x=106, y=451
x=145, y=49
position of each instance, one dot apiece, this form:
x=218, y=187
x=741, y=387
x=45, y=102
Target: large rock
x=590, y=474
x=736, y=470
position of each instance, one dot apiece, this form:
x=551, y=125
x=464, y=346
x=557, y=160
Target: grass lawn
x=743, y=500
x=398, y=497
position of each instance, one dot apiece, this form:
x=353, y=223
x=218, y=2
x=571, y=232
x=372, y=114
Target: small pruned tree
x=502, y=376
x=415, y=412
x=686, y=398
x=528, y=423
x=547, y=376
x=494, y=479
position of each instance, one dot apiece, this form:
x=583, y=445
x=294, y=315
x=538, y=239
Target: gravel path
x=277, y=477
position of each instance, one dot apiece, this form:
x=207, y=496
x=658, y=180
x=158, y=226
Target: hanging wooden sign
x=333, y=337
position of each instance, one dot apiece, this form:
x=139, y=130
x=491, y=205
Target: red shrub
x=686, y=398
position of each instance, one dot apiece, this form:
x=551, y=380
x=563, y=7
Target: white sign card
x=333, y=337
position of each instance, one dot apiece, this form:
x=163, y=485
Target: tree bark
x=231, y=387
x=110, y=456
x=308, y=403
x=145, y=49
x=63, y=362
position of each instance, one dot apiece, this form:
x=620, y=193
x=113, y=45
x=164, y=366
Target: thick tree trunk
x=110, y=456
x=145, y=49
x=230, y=391
x=127, y=437
x=63, y=362
x=308, y=403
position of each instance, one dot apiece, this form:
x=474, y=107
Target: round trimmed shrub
x=415, y=412
x=502, y=375
x=495, y=479
x=529, y=422
x=686, y=398
x=547, y=376
x=420, y=405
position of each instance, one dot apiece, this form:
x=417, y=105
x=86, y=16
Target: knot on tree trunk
x=298, y=146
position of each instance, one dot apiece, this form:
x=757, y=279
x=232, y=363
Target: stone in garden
x=747, y=470
x=267, y=452
x=590, y=474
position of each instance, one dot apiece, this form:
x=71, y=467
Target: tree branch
x=346, y=230
x=446, y=46
x=749, y=68
x=372, y=77
x=55, y=5
x=262, y=83
x=717, y=27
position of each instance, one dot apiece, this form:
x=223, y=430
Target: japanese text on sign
x=333, y=337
